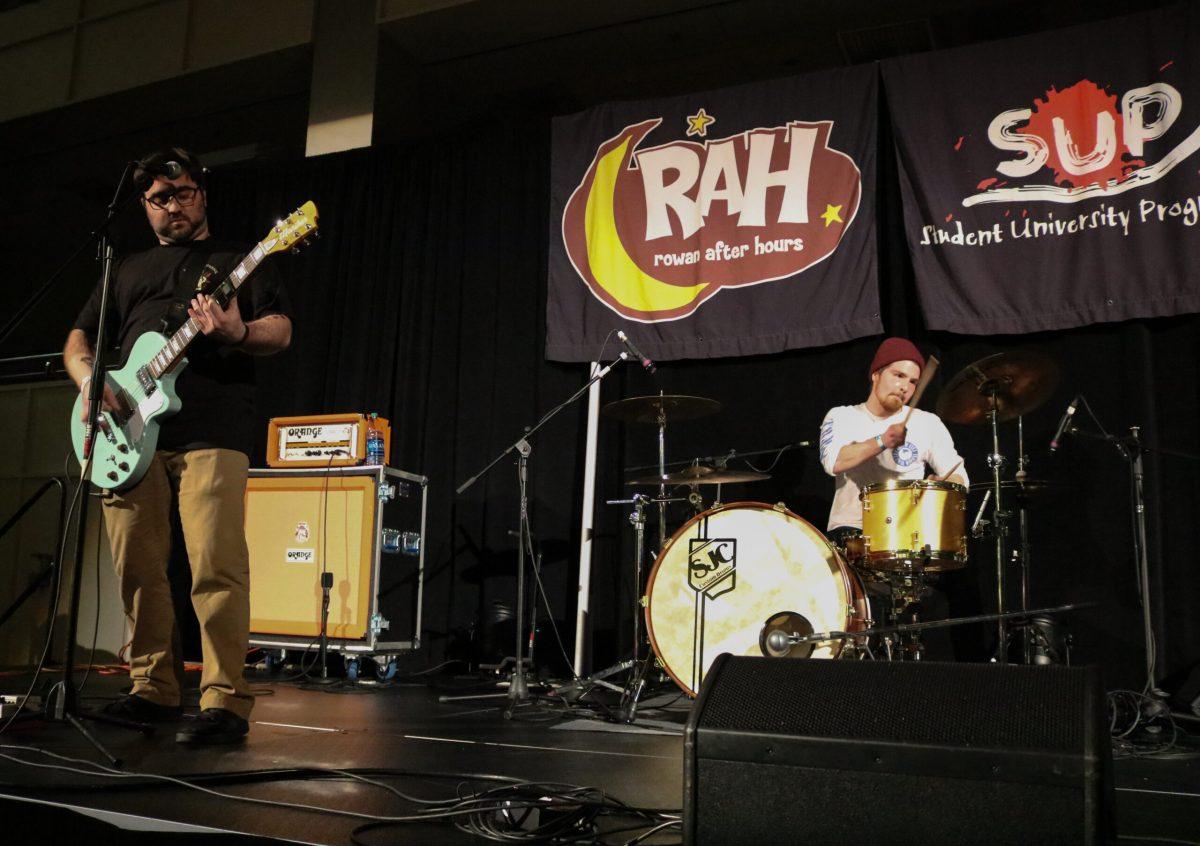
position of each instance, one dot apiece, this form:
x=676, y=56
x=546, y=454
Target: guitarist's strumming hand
x=107, y=403
x=221, y=324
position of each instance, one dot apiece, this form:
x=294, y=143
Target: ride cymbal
x=1014, y=382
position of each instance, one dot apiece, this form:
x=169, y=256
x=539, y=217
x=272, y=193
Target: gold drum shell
x=902, y=517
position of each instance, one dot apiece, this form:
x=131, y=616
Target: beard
x=178, y=230
x=892, y=403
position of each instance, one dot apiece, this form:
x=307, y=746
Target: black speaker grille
x=982, y=706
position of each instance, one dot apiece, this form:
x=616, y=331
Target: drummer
x=869, y=443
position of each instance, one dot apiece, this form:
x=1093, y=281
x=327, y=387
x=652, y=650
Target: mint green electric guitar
x=125, y=439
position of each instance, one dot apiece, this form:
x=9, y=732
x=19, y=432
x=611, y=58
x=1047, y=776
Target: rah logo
x=1089, y=144
x=656, y=232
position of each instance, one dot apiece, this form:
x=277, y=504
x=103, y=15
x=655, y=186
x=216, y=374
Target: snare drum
x=914, y=523
x=733, y=573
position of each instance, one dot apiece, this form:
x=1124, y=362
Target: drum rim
x=907, y=484
x=846, y=571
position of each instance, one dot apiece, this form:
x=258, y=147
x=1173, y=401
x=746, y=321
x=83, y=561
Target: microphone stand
x=65, y=705
x=1132, y=448
x=518, y=685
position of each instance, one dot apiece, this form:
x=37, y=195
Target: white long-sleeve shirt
x=928, y=445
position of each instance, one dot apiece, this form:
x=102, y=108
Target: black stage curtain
x=425, y=301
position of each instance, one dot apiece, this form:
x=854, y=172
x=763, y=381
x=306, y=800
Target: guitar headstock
x=292, y=231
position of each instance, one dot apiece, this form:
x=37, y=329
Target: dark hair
x=153, y=165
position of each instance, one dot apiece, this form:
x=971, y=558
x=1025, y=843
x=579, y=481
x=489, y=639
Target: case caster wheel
x=386, y=671
x=352, y=669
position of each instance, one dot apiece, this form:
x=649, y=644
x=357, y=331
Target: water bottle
x=374, y=442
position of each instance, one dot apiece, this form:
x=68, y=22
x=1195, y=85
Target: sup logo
x=710, y=562
x=656, y=232
x=1087, y=143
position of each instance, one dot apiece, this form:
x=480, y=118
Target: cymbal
x=700, y=475
x=1017, y=381
x=1026, y=487
x=673, y=406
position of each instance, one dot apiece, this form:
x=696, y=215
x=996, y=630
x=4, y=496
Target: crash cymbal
x=1017, y=382
x=699, y=475
x=674, y=407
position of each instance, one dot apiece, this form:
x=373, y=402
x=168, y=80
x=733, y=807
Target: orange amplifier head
x=324, y=440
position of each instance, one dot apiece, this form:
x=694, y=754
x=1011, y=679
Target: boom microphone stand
x=518, y=685
x=1132, y=448
x=63, y=702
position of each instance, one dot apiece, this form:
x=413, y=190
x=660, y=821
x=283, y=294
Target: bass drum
x=732, y=574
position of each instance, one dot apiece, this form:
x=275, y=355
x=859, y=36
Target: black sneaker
x=213, y=726
x=139, y=710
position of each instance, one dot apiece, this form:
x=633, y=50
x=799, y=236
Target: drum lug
x=779, y=506
x=866, y=503
x=644, y=601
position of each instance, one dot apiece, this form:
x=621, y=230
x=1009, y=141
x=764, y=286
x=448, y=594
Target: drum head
x=728, y=572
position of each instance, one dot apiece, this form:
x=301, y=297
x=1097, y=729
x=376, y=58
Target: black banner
x=1051, y=181
x=730, y=222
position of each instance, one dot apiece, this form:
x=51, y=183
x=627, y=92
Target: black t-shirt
x=216, y=387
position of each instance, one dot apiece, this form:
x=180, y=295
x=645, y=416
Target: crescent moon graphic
x=613, y=268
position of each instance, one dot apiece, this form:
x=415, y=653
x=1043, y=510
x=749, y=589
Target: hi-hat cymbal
x=671, y=406
x=1026, y=487
x=1016, y=382
x=700, y=475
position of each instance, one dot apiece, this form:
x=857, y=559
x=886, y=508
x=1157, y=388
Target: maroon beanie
x=893, y=350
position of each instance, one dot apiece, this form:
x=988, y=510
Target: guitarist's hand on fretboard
x=221, y=324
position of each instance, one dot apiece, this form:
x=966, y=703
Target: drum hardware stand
x=632, y=692
x=662, y=492
x=1022, y=554
x=518, y=686
x=996, y=462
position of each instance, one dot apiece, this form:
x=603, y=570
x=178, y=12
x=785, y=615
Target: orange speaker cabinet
x=366, y=526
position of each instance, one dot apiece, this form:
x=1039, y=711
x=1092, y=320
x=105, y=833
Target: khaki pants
x=211, y=485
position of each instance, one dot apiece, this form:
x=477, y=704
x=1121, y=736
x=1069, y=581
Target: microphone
x=979, y=515
x=778, y=644
x=1064, y=423
x=167, y=170
x=635, y=352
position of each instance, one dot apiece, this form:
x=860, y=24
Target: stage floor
x=403, y=726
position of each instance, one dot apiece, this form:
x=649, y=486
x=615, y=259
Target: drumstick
x=953, y=470
x=930, y=368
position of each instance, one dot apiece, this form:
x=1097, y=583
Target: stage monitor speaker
x=787, y=751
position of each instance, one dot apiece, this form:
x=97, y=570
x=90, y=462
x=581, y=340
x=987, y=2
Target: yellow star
x=833, y=214
x=698, y=124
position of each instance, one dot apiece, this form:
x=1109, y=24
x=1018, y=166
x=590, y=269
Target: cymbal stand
x=996, y=462
x=1023, y=552
x=662, y=485
x=638, y=519
x=639, y=663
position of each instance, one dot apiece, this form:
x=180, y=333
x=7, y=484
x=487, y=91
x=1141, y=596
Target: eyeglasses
x=184, y=196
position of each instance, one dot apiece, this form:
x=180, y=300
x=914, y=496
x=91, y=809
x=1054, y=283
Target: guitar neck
x=172, y=351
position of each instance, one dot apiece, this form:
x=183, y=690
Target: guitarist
x=203, y=451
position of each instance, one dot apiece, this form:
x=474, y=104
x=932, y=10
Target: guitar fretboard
x=177, y=344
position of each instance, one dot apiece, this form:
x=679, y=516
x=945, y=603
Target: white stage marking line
x=1159, y=792
x=294, y=726
x=534, y=748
